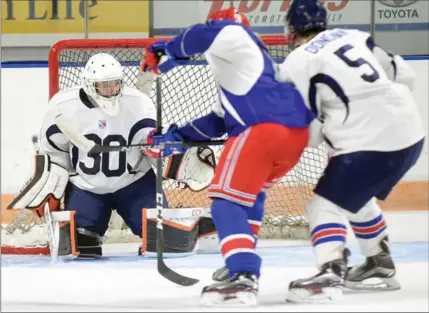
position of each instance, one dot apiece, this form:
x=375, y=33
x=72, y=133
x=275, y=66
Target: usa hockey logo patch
x=102, y=124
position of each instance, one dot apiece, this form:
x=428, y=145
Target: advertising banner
x=267, y=16
x=42, y=22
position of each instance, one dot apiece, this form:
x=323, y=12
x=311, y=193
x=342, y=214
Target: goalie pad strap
x=46, y=185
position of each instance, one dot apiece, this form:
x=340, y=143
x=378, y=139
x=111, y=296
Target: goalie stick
x=51, y=219
x=163, y=269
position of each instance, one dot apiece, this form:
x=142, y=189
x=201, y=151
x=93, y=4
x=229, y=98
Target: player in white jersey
x=107, y=113
x=374, y=133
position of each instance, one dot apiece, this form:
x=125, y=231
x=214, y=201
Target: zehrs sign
x=269, y=12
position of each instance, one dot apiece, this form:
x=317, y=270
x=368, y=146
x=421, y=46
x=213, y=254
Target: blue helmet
x=304, y=15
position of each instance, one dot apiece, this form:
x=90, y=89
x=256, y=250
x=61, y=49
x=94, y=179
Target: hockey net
x=187, y=92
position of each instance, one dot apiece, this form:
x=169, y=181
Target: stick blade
x=174, y=276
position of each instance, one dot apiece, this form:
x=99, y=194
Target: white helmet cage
x=102, y=80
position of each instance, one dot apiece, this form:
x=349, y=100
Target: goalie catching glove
x=47, y=185
x=195, y=168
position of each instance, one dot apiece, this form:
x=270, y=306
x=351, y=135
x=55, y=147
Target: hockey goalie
x=103, y=111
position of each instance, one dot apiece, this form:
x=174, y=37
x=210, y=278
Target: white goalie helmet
x=102, y=80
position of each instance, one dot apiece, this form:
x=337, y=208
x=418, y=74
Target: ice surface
x=131, y=283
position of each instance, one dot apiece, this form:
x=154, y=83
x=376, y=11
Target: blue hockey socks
x=237, y=242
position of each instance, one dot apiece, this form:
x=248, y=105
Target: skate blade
x=241, y=298
x=374, y=284
x=326, y=295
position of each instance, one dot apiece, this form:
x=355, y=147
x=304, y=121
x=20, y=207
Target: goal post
x=189, y=91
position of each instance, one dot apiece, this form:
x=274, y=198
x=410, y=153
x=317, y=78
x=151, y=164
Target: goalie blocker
x=185, y=230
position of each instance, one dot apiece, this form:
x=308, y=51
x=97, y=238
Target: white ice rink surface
x=132, y=283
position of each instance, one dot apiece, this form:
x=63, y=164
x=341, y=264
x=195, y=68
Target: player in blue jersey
x=267, y=125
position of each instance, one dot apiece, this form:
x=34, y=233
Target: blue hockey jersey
x=245, y=74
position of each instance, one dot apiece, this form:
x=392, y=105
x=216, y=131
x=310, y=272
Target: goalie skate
x=377, y=273
x=240, y=289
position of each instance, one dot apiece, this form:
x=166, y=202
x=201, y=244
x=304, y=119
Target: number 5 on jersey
x=341, y=53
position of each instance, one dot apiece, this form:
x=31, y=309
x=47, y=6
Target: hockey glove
x=163, y=140
x=158, y=59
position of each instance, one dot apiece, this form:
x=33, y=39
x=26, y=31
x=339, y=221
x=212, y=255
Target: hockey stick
x=69, y=128
x=163, y=269
x=100, y=149
x=53, y=230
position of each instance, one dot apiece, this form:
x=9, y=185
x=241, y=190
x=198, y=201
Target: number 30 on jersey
x=101, y=162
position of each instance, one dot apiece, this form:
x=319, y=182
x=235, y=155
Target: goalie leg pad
x=177, y=238
x=65, y=245
x=206, y=227
x=84, y=242
x=88, y=242
x=208, y=241
x=186, y=230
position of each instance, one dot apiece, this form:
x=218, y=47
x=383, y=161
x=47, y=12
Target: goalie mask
x=102, y=80
x=194, y=168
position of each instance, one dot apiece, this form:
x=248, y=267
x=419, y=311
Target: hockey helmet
x=305, y=15
x=230, y=14
x=102, y=80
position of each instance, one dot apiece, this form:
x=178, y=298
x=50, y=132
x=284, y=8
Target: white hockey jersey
x=105, y=172
x=360, y=93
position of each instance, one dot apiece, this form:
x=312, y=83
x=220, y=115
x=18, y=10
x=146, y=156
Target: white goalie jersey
x=361, y=93
x=105, y=172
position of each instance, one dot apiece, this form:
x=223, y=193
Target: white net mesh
x=188, y=92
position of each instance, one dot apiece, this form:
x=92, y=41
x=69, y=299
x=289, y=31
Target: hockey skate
x=377, y=273
x=221, y=274
x=240, y=289
x=326, y=286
